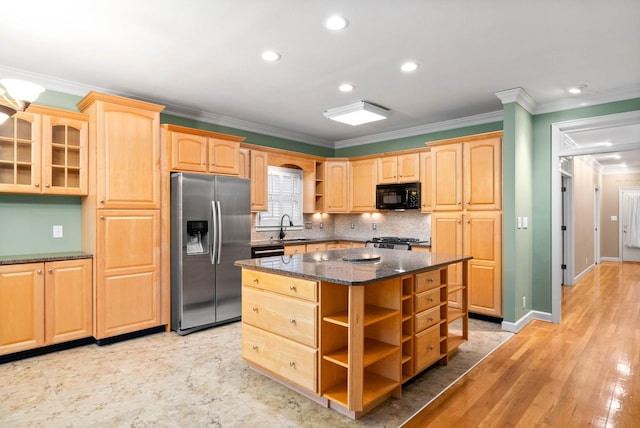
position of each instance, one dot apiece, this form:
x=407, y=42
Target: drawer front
x=287, y=285
x=289, y=360
x=427, y=348
x=427, y=300
x=426, y=319
x=428, y=280
x=292, y=318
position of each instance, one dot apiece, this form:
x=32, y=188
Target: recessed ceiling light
x=409, y=66
x=336, y=23
x=270, y=56
x=346, y=87
x=577, y=89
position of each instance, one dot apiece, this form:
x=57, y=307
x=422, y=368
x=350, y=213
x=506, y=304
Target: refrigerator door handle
x=219, y=232
x=215, y=232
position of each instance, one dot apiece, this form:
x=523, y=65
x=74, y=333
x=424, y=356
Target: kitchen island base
x=349, y=347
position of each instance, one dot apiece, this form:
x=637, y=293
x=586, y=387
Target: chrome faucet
x=282, y=234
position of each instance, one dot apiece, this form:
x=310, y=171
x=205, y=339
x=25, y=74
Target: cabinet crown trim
x=201, y=132
x=93, y=97
x=474, y=137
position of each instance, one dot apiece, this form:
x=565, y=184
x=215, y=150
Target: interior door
x=630, y=225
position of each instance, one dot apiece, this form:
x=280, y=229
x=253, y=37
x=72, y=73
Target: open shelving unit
x=319, y=187
x=361, y=346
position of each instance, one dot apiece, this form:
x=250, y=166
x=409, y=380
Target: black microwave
x=402, y=196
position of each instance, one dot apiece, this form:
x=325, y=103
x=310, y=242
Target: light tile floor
x=199, y=380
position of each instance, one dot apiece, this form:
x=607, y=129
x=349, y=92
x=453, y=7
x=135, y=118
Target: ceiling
x=201, y=58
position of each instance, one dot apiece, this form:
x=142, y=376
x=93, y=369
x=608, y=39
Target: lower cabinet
x=44, y=304
x=280, y=327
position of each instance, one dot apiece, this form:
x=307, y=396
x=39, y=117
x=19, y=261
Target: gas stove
x=393, y=242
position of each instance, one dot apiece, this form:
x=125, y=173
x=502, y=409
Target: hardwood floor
x=581, y=372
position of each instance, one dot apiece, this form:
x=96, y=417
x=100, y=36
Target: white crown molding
x=590, y=99
x=480, y=119
x=517, y=95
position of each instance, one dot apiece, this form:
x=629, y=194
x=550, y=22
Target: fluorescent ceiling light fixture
x=357, y=113
x=336, y=23
x=346, y=87
x=409, y=66
x=577, y=89
x=270, y=56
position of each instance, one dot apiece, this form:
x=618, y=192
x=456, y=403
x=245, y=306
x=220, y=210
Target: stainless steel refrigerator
x=210, y=229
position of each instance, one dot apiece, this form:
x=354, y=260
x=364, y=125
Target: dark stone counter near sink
x=43, y=257
x=330, y=265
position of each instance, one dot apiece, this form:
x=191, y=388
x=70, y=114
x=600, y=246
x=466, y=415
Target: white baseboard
x=526, y=319
x=583, y=273
x=610, y=259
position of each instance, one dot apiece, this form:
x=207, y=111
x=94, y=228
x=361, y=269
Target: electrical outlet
x=57, y=231
x=374, y=226
x=353, y=226
x=524, y=302
x=321, y=225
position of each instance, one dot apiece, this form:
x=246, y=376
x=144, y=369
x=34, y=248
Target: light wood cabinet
x=336, y=186
x=259, y=167
x=362, y=179
x=319, y=246
x=295, y=249
x=399, y=169
x=467, y=175
x=478, y=234
x=426, y=182
x=280, y=326
x=245, y=163
x=44, y=304
x=121, y=223
x=44, y=151
x=203, y=151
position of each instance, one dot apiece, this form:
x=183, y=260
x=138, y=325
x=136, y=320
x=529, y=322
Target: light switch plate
x=57, y=231
x=525, y=222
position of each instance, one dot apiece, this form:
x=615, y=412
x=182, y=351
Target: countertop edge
x=43, y=257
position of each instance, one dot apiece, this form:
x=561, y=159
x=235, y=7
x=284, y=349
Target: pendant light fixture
x=17, y=95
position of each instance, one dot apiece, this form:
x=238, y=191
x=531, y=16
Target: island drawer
x=427, y=348
x=428, y=280
x=290, y=360
x=292, y=318
x=427, y=299
x=287, y=285
x=426, y=319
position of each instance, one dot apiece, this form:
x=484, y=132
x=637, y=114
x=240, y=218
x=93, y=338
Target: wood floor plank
x=581, y=372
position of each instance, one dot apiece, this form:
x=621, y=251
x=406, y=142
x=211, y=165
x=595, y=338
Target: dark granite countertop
x=302, y=241
x=43, y=257
x=330, y=265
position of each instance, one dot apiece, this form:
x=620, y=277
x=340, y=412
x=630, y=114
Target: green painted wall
x=415, y=142
x=26, y=224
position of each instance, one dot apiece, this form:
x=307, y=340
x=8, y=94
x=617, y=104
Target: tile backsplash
x=407, y=224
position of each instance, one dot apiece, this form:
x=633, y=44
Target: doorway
x=560, y=148
x=629, y=222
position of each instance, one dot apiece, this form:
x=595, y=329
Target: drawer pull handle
x=430, y=319
x=430, y=347
x=255, y=280
x=292, y=287
x=430, y=299
x=254, y=347
x=429, y=279
x=292, y=363
x=254, y=309
x=292, y=320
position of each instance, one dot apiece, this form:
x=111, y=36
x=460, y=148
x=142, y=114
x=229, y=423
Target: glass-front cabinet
x=44, y=150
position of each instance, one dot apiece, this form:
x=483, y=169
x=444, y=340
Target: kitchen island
x=347, y=328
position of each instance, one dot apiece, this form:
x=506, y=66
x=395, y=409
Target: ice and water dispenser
x=197, y=237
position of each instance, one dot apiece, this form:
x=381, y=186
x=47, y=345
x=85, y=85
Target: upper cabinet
x=363, y=175
x=426, y=182
x=467, y=175
x=44, y=151
x=258, y=166
x=336, y=190
x=203, y=151
x=399, y=169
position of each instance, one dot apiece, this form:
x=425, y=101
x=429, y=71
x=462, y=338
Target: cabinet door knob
x=254, y=309
x=255, y=280
x=430, y=347
x=39, y=271
x=37, y=184
x=468, y=202
x=102, y=201
x=50, y=270
x=292, y=363
x=429, y=279
x=459, y=202
x=430, y=299
x=46, y=185
x=254, y=347
x=292, y=287
x=430, y=319
x=292, y=320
